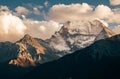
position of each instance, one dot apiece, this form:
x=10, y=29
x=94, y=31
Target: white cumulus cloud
x=11, y=27
x=4, y=8
x=62, y=13
x=21, y=10
x=115, y=2
x=102, y=12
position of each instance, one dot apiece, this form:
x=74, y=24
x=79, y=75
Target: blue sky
x=14, y=3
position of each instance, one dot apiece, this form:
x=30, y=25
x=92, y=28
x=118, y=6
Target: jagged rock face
x=29, y=48
x=79, y=34
x=27, y=39
x=32, y=51
x=104, y=33
x=24, y=58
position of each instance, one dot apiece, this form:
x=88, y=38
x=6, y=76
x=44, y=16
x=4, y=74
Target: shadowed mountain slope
x=101, y=60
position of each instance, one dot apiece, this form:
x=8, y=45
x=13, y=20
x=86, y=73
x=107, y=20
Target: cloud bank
x=62, y=12
x=13, y=28
x=41, y=29
x=115, y=2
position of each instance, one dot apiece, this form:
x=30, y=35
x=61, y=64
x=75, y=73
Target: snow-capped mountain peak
x=80, y=33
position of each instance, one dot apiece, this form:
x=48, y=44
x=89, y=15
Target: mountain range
x=101, y=60
x=85, y=49
x=73, y=35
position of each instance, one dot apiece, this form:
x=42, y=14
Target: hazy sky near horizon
x=38, y=17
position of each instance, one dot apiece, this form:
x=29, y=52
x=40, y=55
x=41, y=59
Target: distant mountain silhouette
x=100, y=60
